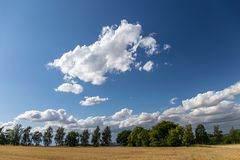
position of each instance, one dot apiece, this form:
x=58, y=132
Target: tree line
x=165, y=133
x=23, y=136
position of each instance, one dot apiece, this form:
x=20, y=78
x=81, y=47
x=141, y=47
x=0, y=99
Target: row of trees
x=165, y=133
x=23, y=136
x=168, y=133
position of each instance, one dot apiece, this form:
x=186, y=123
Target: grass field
x=229, y=152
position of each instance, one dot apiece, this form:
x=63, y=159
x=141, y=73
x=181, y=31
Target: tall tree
x=13, y=136
x=26, y=138
x=96, y=137
x=37, y=138
x=85, y=137
x=122, y=137
x=72, y=139
x=47, y=136
x=188, y=137
x=2, y=136
x=59, y=136
x=159, y=133
x=138, y=137
x=106, y=136
x=217, y=134
x=201, y=134
x=175, y=136
x=234, y=135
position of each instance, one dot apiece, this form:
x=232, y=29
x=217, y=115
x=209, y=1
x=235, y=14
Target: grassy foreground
x=230, y=152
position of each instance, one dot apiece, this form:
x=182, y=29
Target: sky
x=80, y=64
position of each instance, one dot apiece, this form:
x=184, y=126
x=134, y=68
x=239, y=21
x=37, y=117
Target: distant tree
x=72, y=139
x=175, y=136
x=188, y=137
x=2, y=137
x=96, y=137
x=26, y=138
x=122, y=137
x=143, y=138
x=13, y=136
x=59, y=136
x=217, y=135
x=159, y=133
x=37, y=138
x=47, y=136
x=234, y=135
x=106, y=136
x=201, y=136
x=85, y=137
x=138, y=137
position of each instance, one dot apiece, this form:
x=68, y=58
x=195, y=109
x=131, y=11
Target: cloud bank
x=208, y=107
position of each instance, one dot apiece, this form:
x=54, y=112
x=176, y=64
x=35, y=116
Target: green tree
x=72, y=139
x=13, y=136
x=2, y=137
x=159, y=133
x=201, y=134
x=47, y=136
x=234, y=135
x=37, y=138
x=122, y=137
x=138, y=137
x=85, y=137
x=59, y=136
x=217, y=135
x=143, y=137
x=175, y=136
x=96, y=137
x=106, y=136
x=26, y=138
x=188, y=137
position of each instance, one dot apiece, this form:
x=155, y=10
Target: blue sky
x=204, y=37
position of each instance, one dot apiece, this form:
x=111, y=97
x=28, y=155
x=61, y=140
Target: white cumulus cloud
x=89, y=101
x=114, y=51
x=70, y=87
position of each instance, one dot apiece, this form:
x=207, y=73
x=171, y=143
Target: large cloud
x=114, y=51
x=217, y=107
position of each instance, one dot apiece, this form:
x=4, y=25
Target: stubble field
x=229, y=152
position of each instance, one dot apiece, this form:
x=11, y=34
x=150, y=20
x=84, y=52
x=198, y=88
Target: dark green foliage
x=234, y=135
x=13, y=136
x=122, y=137
x=26, y=138
x=85, y=138
x=201, y=136
x=47, y=136
x=106, y=136
x=217, y=135
x=159, y=133
x=188, y=137
x=37, y=138
x=59, y=136
x=2, y=137
x=175, y=136
x=96, y=137
x=72, y=139
x=138, y=137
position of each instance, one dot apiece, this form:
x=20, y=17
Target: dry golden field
x=229, y=152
